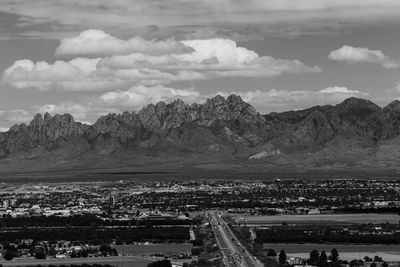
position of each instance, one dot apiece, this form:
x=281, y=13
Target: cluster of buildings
x=129, y=198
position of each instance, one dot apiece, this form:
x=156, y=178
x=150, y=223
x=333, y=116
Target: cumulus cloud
x=79, y=74
x=99, y=43
x=353, y=55
x=210, y=58
x=151, y=63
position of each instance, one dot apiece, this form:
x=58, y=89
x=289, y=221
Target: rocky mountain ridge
x=220, y=127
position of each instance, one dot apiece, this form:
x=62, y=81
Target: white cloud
x=99, y=43
x=338, y=89
x=199, y=60
x=351, y=54
x=210, y=58
x=76, y=75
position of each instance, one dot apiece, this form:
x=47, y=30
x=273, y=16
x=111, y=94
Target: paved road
x=234, y=253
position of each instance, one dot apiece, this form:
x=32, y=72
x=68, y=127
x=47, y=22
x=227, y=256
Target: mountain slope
x=353, y=134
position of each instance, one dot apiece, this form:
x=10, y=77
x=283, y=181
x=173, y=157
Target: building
x=111, y=200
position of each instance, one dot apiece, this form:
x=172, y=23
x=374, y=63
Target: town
x=195, y=222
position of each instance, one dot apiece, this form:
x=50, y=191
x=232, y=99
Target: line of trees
x=81, y=220
x=100, y=236
x=333, y=260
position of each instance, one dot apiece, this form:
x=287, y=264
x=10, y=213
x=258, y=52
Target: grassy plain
x=144, y=250
x=320, y=219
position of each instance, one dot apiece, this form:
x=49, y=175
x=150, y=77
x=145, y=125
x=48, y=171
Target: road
x=234, y=253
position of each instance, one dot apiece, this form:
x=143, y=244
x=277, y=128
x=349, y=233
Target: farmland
x=144, y=250
x=327, y=219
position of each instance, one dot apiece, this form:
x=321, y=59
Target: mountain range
x=220, y=134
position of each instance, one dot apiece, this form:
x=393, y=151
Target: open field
x=307, y=247
x=139, y=250
x=115, y=261
x=320, y=219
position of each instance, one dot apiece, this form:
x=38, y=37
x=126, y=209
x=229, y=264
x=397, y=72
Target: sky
x=91, y=58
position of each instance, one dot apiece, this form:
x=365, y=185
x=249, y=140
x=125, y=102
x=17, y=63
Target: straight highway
x=233, y=252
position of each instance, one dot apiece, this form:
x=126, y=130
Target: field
x=346, y=252
x=320, y=219
x=166, y=249
x=115, y=261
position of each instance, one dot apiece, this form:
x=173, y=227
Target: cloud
x=138, y=96
x=96, y=43
x=209, y=59
x=79, y=74
x=338, y=89
x=353, y=55
x=282, y=17
x=160, y=62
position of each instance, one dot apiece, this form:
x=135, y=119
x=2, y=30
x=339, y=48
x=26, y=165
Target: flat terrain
x=139, y=250
x=117, y=261
x=307, y=247
x=320, y=219
x=176, y=172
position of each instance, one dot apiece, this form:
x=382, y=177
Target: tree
x=335, y=255
x=9, y=255
x=314, y=257
x=271, y=253
x=282, y=257
x=367, y=259
x=323, y=259
x=357, y=263
x=162, y=263
x=377, y=259
x=40, y=254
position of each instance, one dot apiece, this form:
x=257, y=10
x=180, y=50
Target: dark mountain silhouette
x=221, y=133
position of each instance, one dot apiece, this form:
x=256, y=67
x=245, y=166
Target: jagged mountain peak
x=393, y=106
x=228, y=126
x=352, y=102
x=47, y=116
